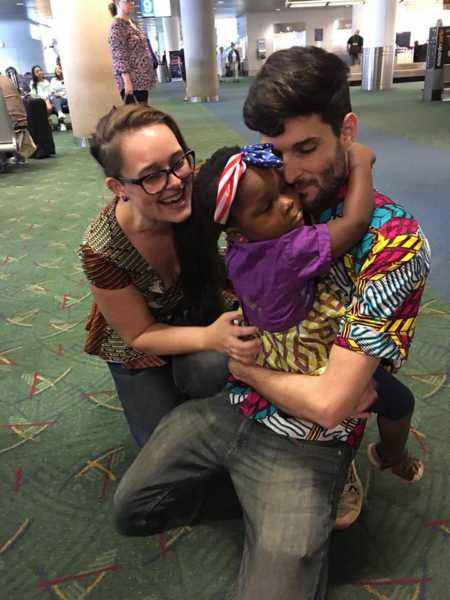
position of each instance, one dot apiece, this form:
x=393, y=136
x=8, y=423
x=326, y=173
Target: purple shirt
x=274, y=279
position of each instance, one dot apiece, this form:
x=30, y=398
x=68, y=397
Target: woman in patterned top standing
x=158, y=352
x=132, y=61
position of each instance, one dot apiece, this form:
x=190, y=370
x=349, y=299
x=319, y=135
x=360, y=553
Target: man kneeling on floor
x=289, y=483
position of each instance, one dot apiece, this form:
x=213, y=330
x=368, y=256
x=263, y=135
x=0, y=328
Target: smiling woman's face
x=39, y=73
x=146, y=151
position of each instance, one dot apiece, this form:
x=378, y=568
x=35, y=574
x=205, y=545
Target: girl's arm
x=127, y=313
x=347, y=230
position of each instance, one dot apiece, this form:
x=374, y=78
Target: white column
x=199, y=37
x=82, y=29
x=172, y=37
x=377, y=24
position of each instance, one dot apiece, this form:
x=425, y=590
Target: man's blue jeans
x=288, y=491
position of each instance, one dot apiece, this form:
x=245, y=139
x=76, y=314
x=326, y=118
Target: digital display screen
x=155, y=8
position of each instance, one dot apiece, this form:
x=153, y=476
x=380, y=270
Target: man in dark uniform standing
x=354, y=47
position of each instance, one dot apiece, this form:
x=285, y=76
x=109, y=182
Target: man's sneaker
x=350, y=503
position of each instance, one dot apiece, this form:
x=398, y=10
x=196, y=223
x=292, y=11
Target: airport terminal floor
x=64, y=443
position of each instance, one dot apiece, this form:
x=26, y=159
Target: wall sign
x=261, y=49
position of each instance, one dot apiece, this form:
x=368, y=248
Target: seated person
x=41, y=88
x=59, y=95
x=17, y=112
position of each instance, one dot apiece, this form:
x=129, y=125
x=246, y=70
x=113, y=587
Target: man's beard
x=332, y=178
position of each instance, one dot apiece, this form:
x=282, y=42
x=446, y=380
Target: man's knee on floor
x=135, y=516
x=156, y=508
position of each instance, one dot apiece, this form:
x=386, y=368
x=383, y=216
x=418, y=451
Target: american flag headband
x=257, y=155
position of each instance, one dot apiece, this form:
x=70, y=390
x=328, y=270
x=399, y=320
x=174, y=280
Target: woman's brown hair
x=112, y=8
x=105, y=145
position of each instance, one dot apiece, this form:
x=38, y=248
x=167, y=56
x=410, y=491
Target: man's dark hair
x=298, y=82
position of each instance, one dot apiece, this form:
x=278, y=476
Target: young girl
x=273, y=260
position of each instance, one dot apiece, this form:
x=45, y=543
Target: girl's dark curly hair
x=203, y=275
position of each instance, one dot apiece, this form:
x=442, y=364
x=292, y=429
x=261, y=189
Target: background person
x=221, y=62
x=234, y=60
x=354, y=47
x=41, y=88
x=16, y=110
x=133, y=67
x=130, y=257
x=58, y=96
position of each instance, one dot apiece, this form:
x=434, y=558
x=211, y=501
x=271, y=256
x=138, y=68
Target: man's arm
x=325, y=399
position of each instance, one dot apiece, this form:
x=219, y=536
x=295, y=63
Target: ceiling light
x=304, y=4
x=315, y=4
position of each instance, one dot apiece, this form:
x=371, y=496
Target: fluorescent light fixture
x=305, y=4
x=319, y=4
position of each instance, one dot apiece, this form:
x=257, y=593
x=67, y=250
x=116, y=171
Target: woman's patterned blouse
x=131, y=54
x=110, y=261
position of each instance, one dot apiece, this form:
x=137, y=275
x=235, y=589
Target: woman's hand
x=128, y=89
x=127, y=84
x=360, y=155
x=226, y=337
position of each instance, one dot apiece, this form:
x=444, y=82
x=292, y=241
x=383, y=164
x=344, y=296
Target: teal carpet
x=64, y=443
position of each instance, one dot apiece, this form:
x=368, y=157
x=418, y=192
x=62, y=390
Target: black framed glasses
x=155, y=183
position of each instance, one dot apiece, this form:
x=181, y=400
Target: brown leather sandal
x=409, y=468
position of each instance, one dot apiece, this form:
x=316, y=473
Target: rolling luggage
x=39, y=127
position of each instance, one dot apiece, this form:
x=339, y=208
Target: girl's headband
x=257, y=155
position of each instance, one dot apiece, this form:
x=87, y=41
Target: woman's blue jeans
x=58, y=103
x=147, y=395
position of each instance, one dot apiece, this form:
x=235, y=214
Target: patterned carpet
x=64, y=443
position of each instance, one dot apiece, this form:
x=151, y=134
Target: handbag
x=25, y=144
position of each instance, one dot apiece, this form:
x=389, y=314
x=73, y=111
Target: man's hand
x=242, y=371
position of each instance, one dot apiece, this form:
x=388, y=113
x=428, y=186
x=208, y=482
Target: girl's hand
x=360, y=155
x=226, y=337
x=366, y=401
